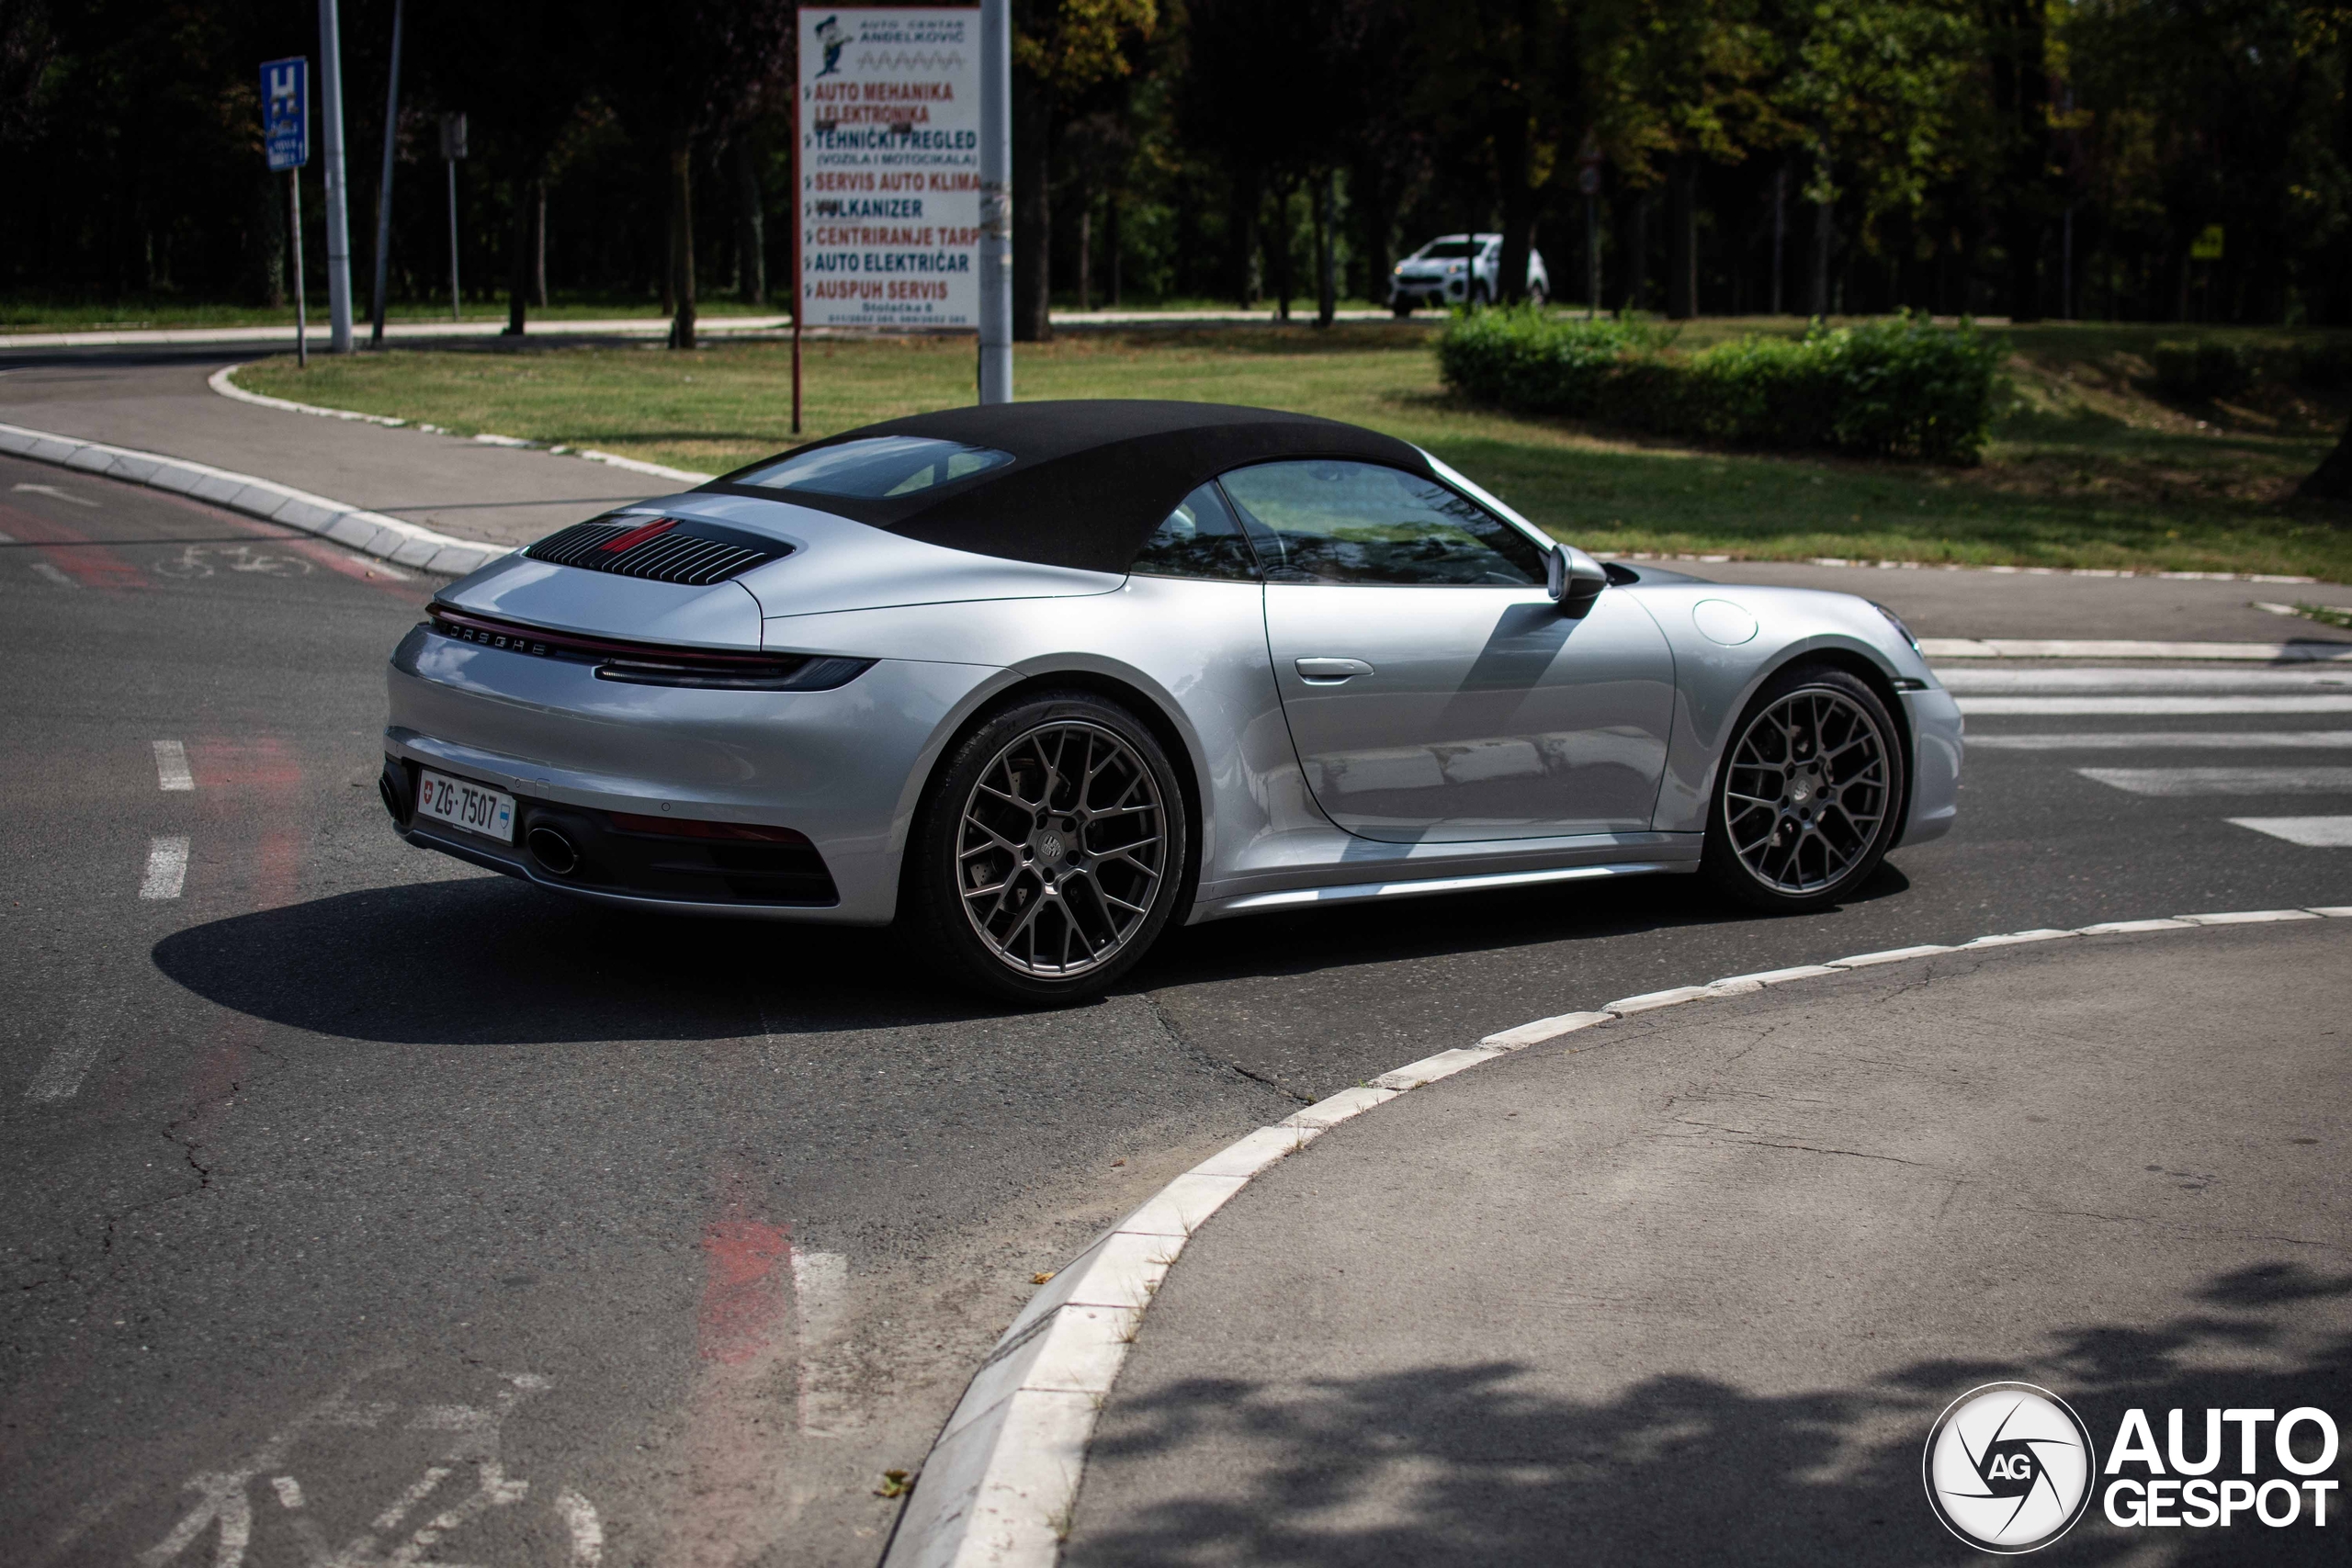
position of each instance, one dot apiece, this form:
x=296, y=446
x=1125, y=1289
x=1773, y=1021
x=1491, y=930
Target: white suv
x=1458, y=269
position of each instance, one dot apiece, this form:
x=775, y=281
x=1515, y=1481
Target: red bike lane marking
x=736, y=1498
x=70, y=551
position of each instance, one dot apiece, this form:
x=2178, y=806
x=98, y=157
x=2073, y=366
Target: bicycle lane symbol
x=226, y=1498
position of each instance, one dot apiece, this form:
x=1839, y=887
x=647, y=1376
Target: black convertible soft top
x=1089, y=480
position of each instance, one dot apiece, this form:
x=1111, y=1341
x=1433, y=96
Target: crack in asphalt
x=1175, y=1032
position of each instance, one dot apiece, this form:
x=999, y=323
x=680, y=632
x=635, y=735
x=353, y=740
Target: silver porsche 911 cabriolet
x=1035, y=681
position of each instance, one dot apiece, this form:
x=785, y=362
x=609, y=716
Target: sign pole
x=996, y=201
x=453, y=147
x=338, y=197
x=286, y=144
x=301, y=307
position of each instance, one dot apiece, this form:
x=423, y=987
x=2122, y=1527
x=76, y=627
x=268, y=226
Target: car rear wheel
x=1807, y=794
x=1050, y=850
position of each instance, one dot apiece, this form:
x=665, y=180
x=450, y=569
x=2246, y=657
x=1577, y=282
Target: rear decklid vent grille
x=662, y=549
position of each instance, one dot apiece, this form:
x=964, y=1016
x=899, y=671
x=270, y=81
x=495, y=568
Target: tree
x=521, y=85
x=683, y=74
x=1062, y=51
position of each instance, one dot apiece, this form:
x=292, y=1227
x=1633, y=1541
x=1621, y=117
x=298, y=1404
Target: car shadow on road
x=1459, y=1463
x=1380, y=931
x=485, y=960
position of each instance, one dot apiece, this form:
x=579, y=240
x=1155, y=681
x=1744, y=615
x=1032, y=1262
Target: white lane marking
x=61, y=1076
x=2170, y=741
x=290, y=1491
x=2224, y=781
x=171, y=766
x=223, y=1502
x=1940, y=647
x=166, y=867
x=2311, y=832
x=821, y=1290
x=61, y=495
x=587, y=1529
x=2084, y=706
x=2088, y=679
x=43, y=569
x=1002, y=1477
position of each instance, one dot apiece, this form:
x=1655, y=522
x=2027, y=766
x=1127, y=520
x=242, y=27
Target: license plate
x=467, y=805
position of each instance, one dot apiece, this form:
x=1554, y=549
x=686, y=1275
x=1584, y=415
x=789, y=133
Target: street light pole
x=453, y=147
x=338, y=198
x=996, y=201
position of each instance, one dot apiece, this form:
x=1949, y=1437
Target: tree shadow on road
x=1466, y=1464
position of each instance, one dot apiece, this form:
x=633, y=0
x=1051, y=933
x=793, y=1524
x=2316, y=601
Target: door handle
x=1330, y=672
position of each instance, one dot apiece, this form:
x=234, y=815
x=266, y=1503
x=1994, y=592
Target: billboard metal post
x=996, y=201
x=338, y=197
x=384, y=182
x=286, y=146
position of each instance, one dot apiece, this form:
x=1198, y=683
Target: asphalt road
x=361, y=1198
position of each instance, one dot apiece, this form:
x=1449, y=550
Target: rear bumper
x=842, y=768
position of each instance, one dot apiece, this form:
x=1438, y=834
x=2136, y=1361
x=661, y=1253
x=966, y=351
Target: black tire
x=1784, y=832
x=1059, y=929
x=1400, y=308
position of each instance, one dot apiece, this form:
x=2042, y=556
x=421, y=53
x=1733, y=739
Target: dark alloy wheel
x=1050, y=852
x=1806, y=800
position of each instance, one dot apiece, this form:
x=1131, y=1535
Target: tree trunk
x=682, y=243
x=1518, y=204
x=1245, y=241
x=751, y=225
x=1277, y=242
x=1110, y=243
x=1033, y=212
x=1085, y=247
x=1780, y=231
x=2332, y=480
x=1825, y=231
x=1683, y=239
x=540, y=243
x=518, y=256
x=1327, y=290
x=267, y=236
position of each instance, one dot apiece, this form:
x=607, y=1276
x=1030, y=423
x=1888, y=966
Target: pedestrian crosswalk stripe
x=2170, y=741
x=2224, y=781
x=2083, y=679
x=2311, y=832
x=2145, y=707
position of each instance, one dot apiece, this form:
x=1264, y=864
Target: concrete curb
x=369, y=533
x=2000, y=570
x=223, y=381
x=999, y=1487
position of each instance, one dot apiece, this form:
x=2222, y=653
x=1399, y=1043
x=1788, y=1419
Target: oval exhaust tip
x=553, y=850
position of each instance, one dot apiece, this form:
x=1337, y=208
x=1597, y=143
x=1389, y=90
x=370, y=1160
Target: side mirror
x=1574, y=580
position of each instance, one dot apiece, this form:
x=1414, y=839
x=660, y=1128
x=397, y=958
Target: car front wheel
x=1807, y=794
x=1050, y=852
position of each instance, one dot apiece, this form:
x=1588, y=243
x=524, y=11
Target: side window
x=1337, y=522
x=1200, y=538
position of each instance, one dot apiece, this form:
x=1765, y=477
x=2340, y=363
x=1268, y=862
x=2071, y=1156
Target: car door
x=1433, y=689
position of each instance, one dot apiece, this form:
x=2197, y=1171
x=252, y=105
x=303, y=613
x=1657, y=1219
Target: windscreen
x=876, y=467
x=1450, y=250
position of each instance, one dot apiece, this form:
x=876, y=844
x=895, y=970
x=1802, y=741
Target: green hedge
x=1888, y=388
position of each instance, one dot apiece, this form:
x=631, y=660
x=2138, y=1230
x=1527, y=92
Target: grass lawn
x=2086, y=468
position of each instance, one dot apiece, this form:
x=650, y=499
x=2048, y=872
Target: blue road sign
x=285, y=112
